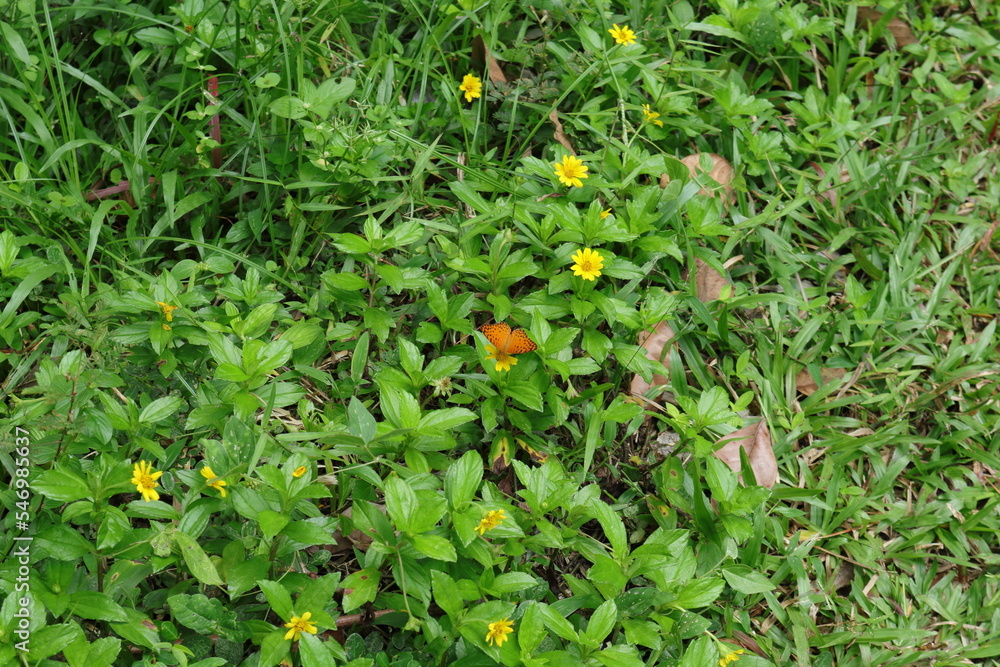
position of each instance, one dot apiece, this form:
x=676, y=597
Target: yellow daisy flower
x=622, y=35
x=492, y=519
x=504, y=360
x=571, y=170
x=213, y=481
x=298, y=472
x=605, y=213
x=588, y=264
x=145, y=480
x=731, y=657
x=498, y=631
x=472, y=87
x=651, y=116
x=168, y=310
x=298, y=625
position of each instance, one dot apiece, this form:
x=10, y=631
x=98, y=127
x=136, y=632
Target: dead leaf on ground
x=481, y=56
x=708, y=282
x=655, y=343
x=721, y=172
x=559, y=135
x=900, y=31
x=805, y=383
x=831, y=194
x=756, y=440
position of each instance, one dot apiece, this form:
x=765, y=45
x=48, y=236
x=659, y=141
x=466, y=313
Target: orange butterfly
x=506, y=343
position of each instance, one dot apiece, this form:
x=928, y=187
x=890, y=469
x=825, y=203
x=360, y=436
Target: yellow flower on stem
x=622, y=35
x=571, y=170
x=145, y=480
x=213, y=481
x=298, y=625
x=588, y=264
x=498, y=631
x=472, y=87
x=168, y=310
x=504, y=360
x=651, y=116
x=605, y=213
x=298, y=472
x=730, y=657
x=492, y=519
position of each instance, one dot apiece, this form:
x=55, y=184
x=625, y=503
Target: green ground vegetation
x=250, y=417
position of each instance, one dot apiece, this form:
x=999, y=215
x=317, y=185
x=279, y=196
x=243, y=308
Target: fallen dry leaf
x=559, y=135
x=831, y=194
x=721, y=172
x=481, y=56
x=756, y=440
x=708, y=282
x=900, y=31
x=655, y=344
x=804, y=381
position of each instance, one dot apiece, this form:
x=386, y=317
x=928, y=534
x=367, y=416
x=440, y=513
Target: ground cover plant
x=443, y=333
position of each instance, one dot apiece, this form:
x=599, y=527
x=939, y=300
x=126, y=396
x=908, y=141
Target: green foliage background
x=333, y=221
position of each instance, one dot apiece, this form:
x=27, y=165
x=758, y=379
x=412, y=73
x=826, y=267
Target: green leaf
x=447, y=595
x=96, y=606
x=288, y=107
x=278, y=597
x=13, y=40
x=531, y=630
x=271, y=523
x=273, y=649
x=318, y=594
x=699, y=593
x=197, y=560
x=511, y=582
x=446, y=419
x=313, y=651
x=308, y=533
x=198, y=612
x=114, y=524
x=435, y=547
x=557, y=623
x=624, y=656
x=400, y=503
x=243, y=576
x=613, y=528
x=51, y=639
x=747, y=580
x=160, y=409
x=61, y=485
x=462, y=480
x=363, y=586
x=602, y=622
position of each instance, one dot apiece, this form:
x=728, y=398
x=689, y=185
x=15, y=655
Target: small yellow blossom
x=622, y=35
x=588, y=264
x=492, y=519
x=498, y=631
x=504, y=360
x=571, y=170
x=605, y=213
x=298, y=625
x=730, y=657
x=145, y=480
x=213, y=481
x=298, y=472
x=472, y=87
x=651, y=116
x=168, y=310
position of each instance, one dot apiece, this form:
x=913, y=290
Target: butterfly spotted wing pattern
x=507, y=341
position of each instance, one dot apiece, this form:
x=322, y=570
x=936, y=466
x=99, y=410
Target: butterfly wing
x=498, y=334
x=520, y=343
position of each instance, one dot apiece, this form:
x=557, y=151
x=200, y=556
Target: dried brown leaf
x=804, y=381
x=481, y=56
x=655, y=343
x=755, y=439
x=708, y=282
x=559, y=135
x=896, y=26
x=721, y=172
